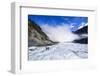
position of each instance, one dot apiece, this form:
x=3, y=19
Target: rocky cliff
x=83, y=34
x=36, y=36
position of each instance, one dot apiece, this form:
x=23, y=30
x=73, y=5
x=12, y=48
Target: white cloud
x=72, y=25
x=60, y=33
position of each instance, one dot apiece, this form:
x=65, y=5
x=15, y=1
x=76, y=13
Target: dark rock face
x=83, y=34
x=83, y=30
x=36, y=37
x=81, y=41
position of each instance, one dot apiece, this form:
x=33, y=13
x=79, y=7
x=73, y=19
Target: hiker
x=47, y=48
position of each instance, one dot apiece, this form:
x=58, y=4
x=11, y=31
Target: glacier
x=60, y=51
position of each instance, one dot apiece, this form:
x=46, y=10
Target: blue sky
x=73, y=22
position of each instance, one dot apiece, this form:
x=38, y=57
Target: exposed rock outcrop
x=36, y=37
x=83, y=34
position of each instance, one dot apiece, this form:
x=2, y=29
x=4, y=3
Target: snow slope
x=59, y=51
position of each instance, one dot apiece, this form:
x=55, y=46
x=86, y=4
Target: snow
x=82, y=25
x=58, y=52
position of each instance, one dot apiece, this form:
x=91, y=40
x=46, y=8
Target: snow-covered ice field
x=58, y=52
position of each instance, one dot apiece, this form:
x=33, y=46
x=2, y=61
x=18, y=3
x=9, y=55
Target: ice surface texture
x=58, y=51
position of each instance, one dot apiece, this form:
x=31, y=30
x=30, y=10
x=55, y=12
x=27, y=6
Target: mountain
x=83, y=30
x=81, y=41
x=83, y=34
x=36, y=36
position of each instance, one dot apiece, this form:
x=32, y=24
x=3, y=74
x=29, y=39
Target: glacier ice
x=58, y=51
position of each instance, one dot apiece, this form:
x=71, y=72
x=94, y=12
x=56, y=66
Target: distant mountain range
x=36, y=36
x=83, y=30
x=83, y=34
